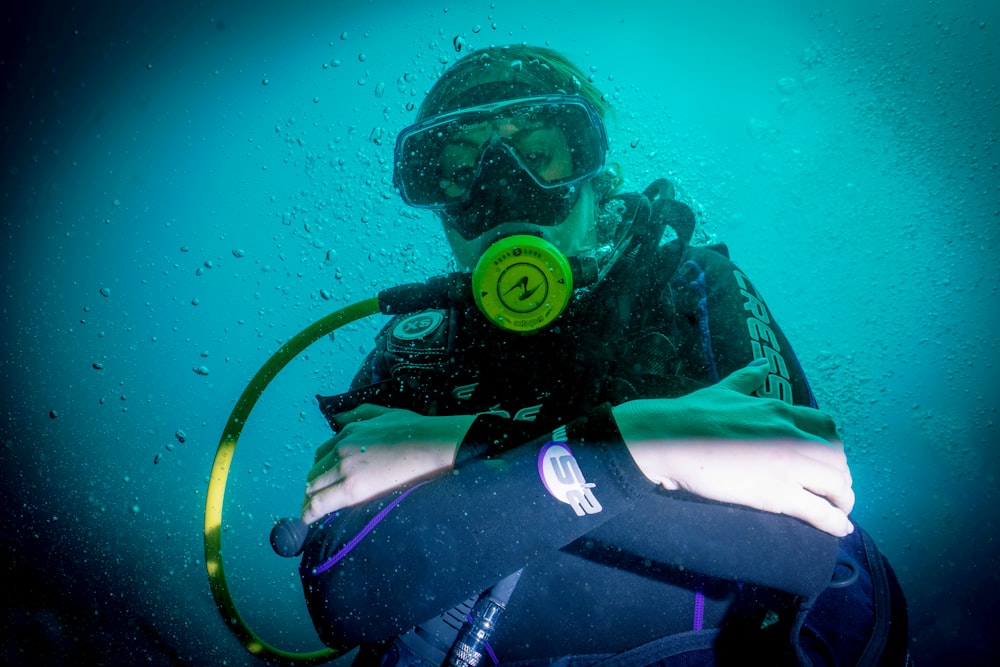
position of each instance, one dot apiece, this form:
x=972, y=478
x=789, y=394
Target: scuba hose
x=220, y=473
x=522, y=286
x=438, y=292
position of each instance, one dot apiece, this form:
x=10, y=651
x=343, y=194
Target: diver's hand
x=377, y=450
x=723, y=444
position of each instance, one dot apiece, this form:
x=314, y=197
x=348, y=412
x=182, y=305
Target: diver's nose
x=501, y=177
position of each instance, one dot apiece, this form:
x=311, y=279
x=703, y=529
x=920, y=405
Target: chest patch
x=416, y=327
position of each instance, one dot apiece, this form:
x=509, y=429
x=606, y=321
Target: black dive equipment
x=473, y=639
x=524, y=286
x=522, y=283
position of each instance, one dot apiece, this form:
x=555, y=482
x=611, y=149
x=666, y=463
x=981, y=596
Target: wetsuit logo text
x=764, y=342
x=564, y=480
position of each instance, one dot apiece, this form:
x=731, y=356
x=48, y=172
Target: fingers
x=821, y=514
x=747, y=379
x=327, y=493
x=343, y=420
x=324, y=472
x=318, y=506
x=326, y=449
x=815, y=422
x=832, y=480
x=822, y=493
x=360, y=413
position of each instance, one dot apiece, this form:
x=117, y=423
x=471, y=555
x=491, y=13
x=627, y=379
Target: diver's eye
x=457, y=181
x=538, y=161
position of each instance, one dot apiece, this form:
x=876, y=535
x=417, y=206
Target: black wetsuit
x=545, y=484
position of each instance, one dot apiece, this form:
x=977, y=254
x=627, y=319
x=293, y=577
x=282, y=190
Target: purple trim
x=699, y=609
x=493, y=656
x=486, y=645
x=369, y=527
x=541, y=462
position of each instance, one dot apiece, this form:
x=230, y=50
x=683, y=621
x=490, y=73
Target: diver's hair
x=542, y=70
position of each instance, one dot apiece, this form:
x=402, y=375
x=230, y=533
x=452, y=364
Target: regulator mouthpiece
x=522, y=283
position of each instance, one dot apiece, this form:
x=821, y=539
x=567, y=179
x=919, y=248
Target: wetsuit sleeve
x=741, y=328
x=375, y=570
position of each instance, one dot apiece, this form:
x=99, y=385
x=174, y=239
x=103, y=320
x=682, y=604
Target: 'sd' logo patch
x=418, y=326
x=564, y=480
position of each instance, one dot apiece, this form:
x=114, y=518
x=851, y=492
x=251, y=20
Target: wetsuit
x=544, y=483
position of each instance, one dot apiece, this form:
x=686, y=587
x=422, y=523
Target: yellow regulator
x=522, y=283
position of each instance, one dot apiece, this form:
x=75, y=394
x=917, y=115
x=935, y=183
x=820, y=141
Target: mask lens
x=558, y=140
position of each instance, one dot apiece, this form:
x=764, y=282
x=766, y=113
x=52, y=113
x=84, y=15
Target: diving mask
x=550, y=143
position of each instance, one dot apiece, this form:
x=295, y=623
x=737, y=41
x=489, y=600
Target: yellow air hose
x=220, y=473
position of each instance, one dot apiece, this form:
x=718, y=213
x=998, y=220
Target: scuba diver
x=609, y=454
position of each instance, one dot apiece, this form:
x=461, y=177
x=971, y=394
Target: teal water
x=184, y=188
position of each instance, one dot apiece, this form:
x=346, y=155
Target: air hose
x=220, y=473
x=440, y=292
x=522, y=284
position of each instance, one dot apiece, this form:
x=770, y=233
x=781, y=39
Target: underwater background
x=187, y=185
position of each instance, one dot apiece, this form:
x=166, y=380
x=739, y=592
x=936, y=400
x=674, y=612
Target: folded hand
x=723, y=444
x=376, y=450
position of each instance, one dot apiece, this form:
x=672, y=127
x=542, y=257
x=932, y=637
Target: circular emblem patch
x=418, y=326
